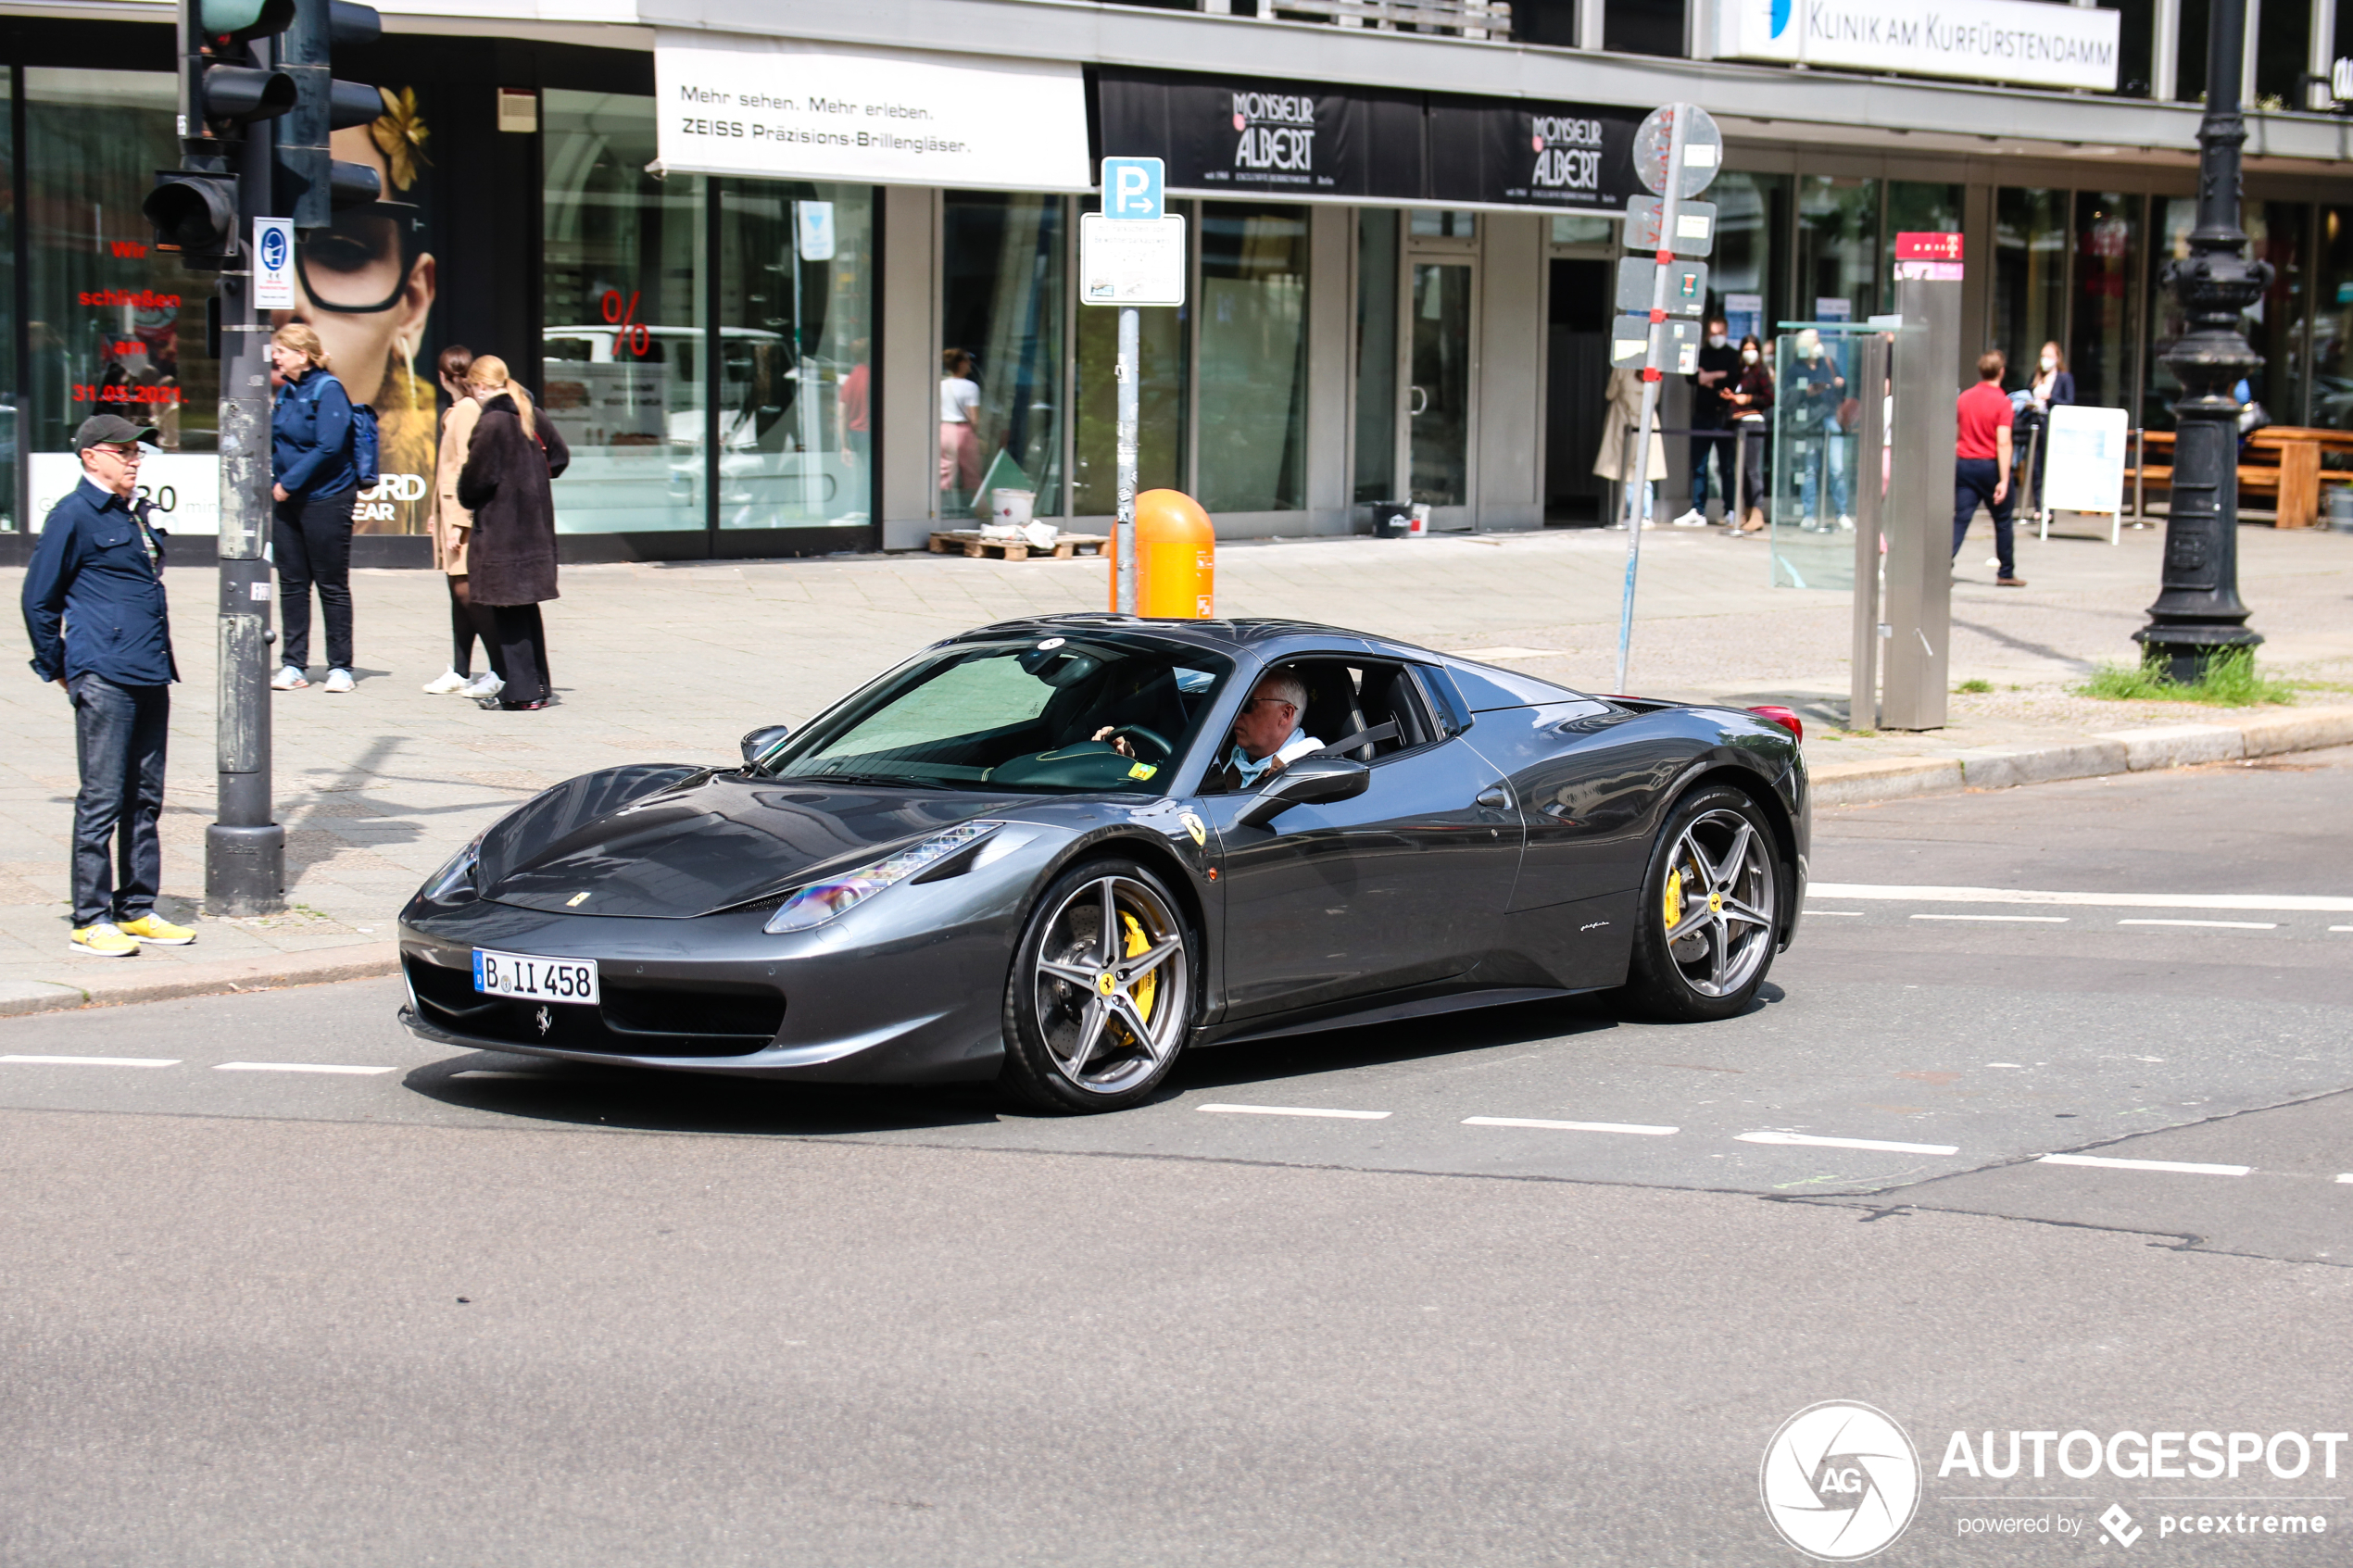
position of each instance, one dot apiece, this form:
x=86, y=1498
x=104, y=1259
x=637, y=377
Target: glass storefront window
x=1001, y=350
x=2029, y=276
x=1750, y=264
x=11, y=390
x=1838, y=228
x=1161, y=400
x=1444, y=223
x=2108, y=277
x=1254, y=358
x=796, y=266
x=115, y=326
x=1376, y=478
x=2136, y=35
x=1575, y=229
x=623, y=330
x=2332, y=331
x=2275, y=232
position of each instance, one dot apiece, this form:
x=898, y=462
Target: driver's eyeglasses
x=360, y=261
x=1256, y=700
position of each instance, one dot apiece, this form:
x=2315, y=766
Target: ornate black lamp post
x=2199, y=614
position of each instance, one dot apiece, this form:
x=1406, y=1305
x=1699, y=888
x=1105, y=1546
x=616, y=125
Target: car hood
x=675, y=842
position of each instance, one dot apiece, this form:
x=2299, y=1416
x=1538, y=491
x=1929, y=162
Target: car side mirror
x=1310, y=780
x=761, y=742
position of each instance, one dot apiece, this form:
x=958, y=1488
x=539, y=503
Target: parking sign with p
x=1133, y=188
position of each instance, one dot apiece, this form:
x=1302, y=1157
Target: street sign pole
x=1671, y=194
x=1130, y=333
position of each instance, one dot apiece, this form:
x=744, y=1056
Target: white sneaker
x=1692, y=519
x=448, y=683
x=483, y=686
x=289, y=679
x=338, y=679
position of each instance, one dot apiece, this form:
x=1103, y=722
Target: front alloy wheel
x=1710, y=914
x=1100, y=997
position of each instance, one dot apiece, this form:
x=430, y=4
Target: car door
x=1403, y=885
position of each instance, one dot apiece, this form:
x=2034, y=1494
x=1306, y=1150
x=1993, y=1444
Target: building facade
x=742, y=247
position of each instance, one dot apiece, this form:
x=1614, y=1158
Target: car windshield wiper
x=896, y=780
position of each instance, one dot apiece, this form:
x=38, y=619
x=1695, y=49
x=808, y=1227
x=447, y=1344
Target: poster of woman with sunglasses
x=365, y=285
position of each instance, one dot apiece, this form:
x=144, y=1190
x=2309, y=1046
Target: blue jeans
x=1722, y=446
x=1973, y=480
x=118, y=735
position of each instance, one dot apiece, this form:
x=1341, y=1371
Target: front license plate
x=538, y=980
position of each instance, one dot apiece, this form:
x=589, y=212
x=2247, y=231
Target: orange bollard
x=1176, y=559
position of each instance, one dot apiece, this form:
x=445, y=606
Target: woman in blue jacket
x=310, y=451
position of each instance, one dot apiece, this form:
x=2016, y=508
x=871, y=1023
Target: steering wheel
x=1162, y=751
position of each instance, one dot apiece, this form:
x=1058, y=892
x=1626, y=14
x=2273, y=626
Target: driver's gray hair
x=1286, y=686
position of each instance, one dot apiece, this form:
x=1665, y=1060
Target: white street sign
x=273, y=264
x=1130, y=261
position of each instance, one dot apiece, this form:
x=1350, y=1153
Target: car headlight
x=458, y=877
x=821, y=901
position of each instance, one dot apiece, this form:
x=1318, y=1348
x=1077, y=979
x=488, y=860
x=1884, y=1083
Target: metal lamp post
x=2198, y=613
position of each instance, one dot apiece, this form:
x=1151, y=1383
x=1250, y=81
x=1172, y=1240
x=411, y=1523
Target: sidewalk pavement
x=378, y=788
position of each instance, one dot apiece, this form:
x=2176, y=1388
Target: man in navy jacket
x=95, y=612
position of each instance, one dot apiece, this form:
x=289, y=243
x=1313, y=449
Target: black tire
x=1049, y=1014
x=1730, y=921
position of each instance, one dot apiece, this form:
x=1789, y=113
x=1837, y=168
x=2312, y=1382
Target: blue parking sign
x=1133, y=187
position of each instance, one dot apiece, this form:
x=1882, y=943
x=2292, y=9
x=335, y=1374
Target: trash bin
x=1176, y=559
x=2340, y=502
x=1392, y=519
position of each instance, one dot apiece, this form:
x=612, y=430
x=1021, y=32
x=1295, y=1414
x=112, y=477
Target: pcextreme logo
x=1840, y=1481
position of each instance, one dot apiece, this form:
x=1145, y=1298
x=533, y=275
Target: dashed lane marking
x=2179, y=1167
x=2225, y=924
x=1834, y=914
x=292, y=1067
x=1634, y=1127
x=2347, y=1178
x=2266, y=903
x=1805, y=1140
x=1296, y=1111
x=92, y=1061
x=2029, y=920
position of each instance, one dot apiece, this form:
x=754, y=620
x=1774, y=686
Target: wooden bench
x=2281, y=459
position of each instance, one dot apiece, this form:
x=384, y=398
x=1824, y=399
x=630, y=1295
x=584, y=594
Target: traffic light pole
x=245, y=850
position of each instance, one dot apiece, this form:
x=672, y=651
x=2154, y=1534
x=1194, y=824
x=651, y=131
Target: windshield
x=1029, y=715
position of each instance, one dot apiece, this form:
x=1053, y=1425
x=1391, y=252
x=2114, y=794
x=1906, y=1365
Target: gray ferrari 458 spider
x=1039, y=853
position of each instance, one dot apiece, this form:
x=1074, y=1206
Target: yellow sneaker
x=103, y=940
x=159, y=932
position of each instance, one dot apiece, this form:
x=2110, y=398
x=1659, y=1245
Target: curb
x=2118, y=752
x=358, y=962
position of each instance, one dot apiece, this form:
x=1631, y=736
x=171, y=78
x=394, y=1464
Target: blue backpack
x=363, y=444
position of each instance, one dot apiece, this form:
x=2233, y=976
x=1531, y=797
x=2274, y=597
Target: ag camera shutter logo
x=1840, y=1481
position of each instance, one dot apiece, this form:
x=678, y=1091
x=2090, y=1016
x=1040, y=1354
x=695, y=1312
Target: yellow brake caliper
x=1674, y=909
x=1148, y=986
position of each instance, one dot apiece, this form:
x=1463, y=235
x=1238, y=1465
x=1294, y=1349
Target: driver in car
x=1268, y=736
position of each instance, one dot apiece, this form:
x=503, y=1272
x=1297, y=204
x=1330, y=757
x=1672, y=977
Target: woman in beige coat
x=452, y=527
x=1623, y=417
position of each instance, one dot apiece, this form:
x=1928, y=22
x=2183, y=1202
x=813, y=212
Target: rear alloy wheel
x=1100, y=997
x=1710, y=910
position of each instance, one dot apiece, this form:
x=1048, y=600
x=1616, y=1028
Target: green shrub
x=2230, y=681
x=1974, y=686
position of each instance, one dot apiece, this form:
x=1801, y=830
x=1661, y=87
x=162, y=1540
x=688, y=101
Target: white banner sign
x=184, y=486
x=2083, y=459
x=2020, y=40
x=780, y=108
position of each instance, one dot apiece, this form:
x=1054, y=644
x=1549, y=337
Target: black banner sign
x=1267, y=135
x=1521, y=152
x=1272, y=136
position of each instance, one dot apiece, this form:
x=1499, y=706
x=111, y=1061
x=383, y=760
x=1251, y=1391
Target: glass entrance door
x=1442, y=322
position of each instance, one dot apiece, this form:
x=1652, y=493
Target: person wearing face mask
x=2053, y=387
x=1719, y=365
x=1818, y=388
x=1750, y=398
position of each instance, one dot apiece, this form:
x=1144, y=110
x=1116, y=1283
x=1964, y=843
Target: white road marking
x=292, y=1067
x=93, y=1060
x=1807, y=1141
x=2181, y=1167
x=1836, y=914
x=2347, y=1178
x=1296, y=1111
x=2270, y=903
x=1635, y=1127
x=2225, y=924
x=2031, y=919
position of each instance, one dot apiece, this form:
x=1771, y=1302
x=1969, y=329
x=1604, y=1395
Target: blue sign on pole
x=1133, y=188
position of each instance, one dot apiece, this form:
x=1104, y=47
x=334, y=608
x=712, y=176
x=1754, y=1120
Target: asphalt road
x=1532, y=1285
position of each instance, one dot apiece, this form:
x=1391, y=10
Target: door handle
x=1421, y=401
x=1495, y=797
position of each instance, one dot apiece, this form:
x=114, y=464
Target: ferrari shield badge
x=1194, y=825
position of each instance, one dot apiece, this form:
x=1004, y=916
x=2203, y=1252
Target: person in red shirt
x=1981, y=465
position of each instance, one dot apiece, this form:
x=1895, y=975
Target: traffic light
x=226, y=83
x=311, y=184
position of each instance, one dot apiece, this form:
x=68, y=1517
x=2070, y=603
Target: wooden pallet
x=969, y=542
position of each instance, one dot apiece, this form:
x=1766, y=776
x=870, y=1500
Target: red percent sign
x=625, y=317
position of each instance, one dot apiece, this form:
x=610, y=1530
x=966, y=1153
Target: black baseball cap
x=110, y=429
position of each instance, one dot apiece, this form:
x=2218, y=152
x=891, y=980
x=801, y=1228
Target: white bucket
x=1010, y=508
